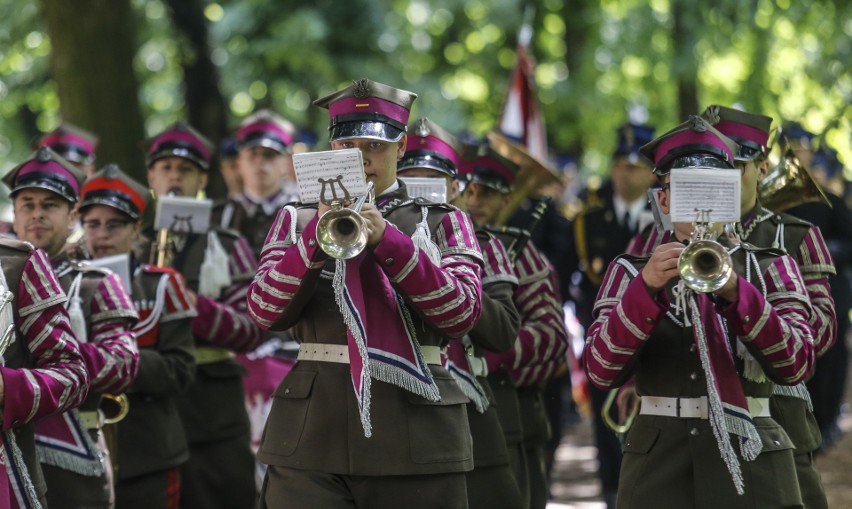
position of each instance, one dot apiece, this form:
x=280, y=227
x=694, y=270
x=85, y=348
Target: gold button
x=746, y=319
x=287, y=390
x=693, y=376
x=694, y=432
x=389, y=261
x=312, y=242
x=648, y=319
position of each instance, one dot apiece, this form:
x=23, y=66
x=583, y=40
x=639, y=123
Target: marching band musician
x=71, y=447
x=151, y=443
x=704, y=364
x=538, y=353
x=432, y=152
x=369, y=417
x=42, y=371
x=791, y=406
x=265, y=166
x=75, y=145
x=220, y=468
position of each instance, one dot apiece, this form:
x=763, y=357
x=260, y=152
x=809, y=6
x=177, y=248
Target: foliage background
x=599, y=62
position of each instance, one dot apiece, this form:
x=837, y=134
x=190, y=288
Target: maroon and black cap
x=45, y=169
x=368, y=109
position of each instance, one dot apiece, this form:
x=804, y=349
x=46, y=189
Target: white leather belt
x=323, y=352
x=91, y=419
x=478, y=366
x=694, y=408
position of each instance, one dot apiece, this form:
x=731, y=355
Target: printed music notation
x=314, y=167
x=713, y=189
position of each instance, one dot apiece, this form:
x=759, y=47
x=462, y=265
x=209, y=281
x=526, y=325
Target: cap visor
x=367, y=130
x=43, y=184
x=266, y=143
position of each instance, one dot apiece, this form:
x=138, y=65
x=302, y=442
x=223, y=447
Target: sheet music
x=313, y=167
x=714, y=189
x=182, y=214
x=120, y=264
x=433, y=189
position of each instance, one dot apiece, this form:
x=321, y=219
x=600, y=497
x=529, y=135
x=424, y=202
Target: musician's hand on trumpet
x=376, y=224
x=662, y=266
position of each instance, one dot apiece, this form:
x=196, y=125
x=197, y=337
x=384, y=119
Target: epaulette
x=503, y=230
x=19, y=245
x=484, y=235
x=423, y=202
x=789, y=219
x=633, y=258
x=772, y=251
x=153, y=269
x=85, y=267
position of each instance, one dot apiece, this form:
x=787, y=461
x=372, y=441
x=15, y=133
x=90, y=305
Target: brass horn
x=114, y=407
x=789, y=184
x=532, y=176
x=704, y=265
x=342, y=232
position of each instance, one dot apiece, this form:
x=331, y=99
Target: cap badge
x=698, y=124
x=712, y=115
x=43, y=155
x=629, y=136
x=362, y=88
x=111, y=171
x=422, y=129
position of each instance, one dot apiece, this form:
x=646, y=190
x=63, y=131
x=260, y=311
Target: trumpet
x=342, y=232
x=704, y=265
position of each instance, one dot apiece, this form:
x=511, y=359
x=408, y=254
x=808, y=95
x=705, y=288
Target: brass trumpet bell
x=705, y=266
x=342, y=233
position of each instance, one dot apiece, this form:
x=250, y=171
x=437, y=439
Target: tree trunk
x=685, y=67
x=204, y=103
x=93, y=44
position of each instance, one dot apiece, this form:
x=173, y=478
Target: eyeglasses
x=112, y=226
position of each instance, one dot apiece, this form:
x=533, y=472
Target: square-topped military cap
x=112, y=187
x=266, y=129
x=749, y=130
x=492, y=170
x=430, y=146
x=74, y=144
x=180, y=140
x=368, y=109
x=45, y=169
x=692, y=144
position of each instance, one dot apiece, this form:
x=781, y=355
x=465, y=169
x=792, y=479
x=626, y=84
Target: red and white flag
x=521, y=118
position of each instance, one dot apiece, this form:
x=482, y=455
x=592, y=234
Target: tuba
x=342, y=232
x=704, y=265
x=788, y=183
x=532, y=176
